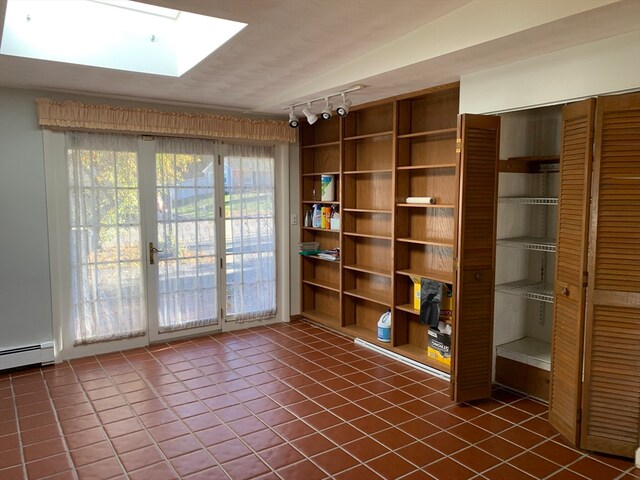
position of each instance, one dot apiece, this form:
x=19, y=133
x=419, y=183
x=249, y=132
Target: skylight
x=117, y=34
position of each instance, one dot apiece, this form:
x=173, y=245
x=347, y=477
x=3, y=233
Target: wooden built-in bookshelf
x=381, y=154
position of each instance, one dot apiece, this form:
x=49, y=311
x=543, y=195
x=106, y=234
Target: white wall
x=25, y=299
x=605, y=66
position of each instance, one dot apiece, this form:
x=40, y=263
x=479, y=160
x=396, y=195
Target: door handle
x=152, y=251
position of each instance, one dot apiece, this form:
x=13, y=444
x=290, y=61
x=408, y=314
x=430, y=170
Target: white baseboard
x=41, y=354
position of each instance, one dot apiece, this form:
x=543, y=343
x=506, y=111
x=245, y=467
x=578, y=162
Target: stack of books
x=309, y=248
x=332, y=255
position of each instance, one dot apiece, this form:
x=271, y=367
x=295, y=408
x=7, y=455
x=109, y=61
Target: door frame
x=59, y=255
x=147, y=182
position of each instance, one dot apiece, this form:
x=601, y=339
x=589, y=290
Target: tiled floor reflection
x=290, y=402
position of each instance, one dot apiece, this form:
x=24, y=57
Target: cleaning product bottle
x=384, y=327
x=317, y=215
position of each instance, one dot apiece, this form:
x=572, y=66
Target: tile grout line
x=96, y=413
x=19, y=430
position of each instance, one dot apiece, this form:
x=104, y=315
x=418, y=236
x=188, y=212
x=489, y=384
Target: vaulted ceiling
x=295, y=50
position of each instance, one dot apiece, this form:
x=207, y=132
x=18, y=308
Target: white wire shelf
x=529, y=243
x=529, y=200
x=527, y=289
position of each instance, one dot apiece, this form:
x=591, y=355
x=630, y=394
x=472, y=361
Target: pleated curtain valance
x=71, y=115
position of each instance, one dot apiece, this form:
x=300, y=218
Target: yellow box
x=439, y=346
x=417, y=286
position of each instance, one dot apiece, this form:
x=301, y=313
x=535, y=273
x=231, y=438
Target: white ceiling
x=295, y=50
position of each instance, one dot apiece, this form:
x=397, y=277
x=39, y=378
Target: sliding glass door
x=168, y=237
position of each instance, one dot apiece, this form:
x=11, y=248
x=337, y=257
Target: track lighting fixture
x=311, y=117
x=326, y=111
x=343, y=108
x=293, y=120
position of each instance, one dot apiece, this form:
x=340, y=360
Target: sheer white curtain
x=250, y=232
x=106, y=255
x=186, y=225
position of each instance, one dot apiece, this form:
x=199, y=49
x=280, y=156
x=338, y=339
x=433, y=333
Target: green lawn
x=252, y=204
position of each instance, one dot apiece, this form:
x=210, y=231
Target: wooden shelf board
x=364, y=333
x=321, y=145
x=366, y=235
x=315, y=229
x=426, y=167
x=368, y=135
x=334, y=287
x=321, y=317
x=321, y=202
x=366, y=210
x=445, y=277
x=368, y=172
x=366, y=269
x=408, y=307
x=526, y=164
x=318, y=174
x=420, y=355
x=538, y=158
x=428, y=133
x=427, y=241
x=425, y=205
x=369, y=295
x=315, y=257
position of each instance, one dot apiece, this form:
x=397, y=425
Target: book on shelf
x=333, y=255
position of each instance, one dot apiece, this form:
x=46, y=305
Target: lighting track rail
x=342, y=109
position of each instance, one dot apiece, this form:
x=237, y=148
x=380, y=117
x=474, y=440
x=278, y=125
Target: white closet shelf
x=527, y=289
x=529, y=243
x=527, y=350
x=529, y=200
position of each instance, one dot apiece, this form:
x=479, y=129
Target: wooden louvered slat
x=611, y=398
x=475, y=252
x=571, y=262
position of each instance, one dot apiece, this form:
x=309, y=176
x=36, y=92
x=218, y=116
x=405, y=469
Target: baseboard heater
x=400, y=358
x=40, y=354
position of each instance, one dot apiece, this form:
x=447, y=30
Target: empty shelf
x=527, y=289
x=529, y=200
x=527, y=350
x=529, y=243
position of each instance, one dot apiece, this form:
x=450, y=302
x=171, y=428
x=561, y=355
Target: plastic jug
x=384, y=327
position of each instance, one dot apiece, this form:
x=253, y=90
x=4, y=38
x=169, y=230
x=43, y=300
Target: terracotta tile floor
x=281, y=402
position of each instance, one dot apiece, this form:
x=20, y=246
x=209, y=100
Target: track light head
x=293, y=120
x=343, y=108
x=326, y=111
x=311, y=117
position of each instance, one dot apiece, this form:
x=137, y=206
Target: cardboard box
x=439, y=346
x=417, y=286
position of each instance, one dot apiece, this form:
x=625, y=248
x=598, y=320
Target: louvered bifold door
x=611, y=390
x=567, y=338
x=478, y=147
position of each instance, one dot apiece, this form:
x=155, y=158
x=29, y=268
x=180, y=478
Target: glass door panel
x=185, y=259
x=105, y=252
x=250, y=233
